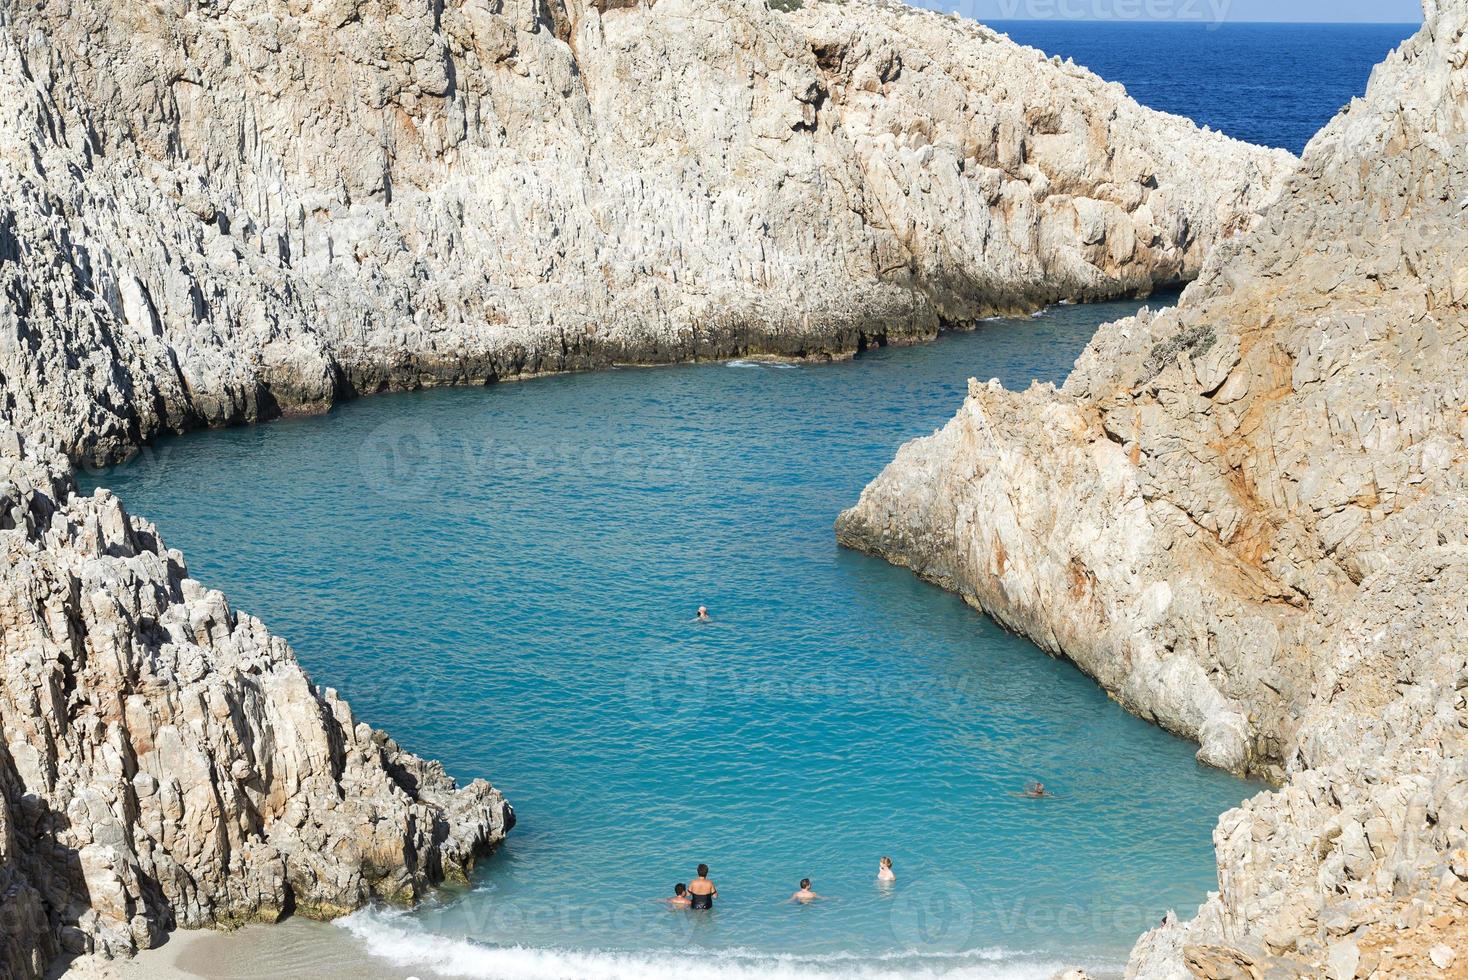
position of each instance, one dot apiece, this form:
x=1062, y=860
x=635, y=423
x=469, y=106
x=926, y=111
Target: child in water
x=884, y=870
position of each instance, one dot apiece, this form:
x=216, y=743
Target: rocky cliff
x=165, y=762
x=1246, y=518
x=217, y=212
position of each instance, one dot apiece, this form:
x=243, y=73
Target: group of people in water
x=701, y=892
x=698, y=894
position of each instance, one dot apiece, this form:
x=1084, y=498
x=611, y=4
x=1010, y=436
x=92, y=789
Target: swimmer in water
x=884, y=870
x=1036, y=791
x=701, y=891
x=703, y=615
x=804, y=894
x=680, y=899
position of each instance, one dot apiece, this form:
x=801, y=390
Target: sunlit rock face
x=1246, y=518
x=214, y=213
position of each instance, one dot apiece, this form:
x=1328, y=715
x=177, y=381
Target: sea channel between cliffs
x=504, y=578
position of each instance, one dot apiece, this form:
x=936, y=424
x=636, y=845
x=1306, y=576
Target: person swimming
x=1036, y=791
x=703, y=615
x=804, y=894
x=680, y=899
x=884, y=870
x=701, y=891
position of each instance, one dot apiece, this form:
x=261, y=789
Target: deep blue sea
x=504, y=578
x=1271, y=84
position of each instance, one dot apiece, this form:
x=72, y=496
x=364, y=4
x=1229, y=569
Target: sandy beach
x=301, y=948
x=296, y=947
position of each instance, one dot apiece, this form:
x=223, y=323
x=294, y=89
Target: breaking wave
x=396, y=937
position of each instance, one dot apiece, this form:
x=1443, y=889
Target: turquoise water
x=504, y=578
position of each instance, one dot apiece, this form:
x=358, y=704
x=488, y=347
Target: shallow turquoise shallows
x=504, y=579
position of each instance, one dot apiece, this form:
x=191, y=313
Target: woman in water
x=884, y=870
x=701, y=891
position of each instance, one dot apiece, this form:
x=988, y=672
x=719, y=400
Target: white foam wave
x=397, y=938
x=775, y=365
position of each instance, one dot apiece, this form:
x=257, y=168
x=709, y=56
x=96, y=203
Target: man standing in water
x=701, y=891
x=703, y=615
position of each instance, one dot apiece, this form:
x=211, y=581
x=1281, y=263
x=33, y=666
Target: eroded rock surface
x=165, y=761
x=216, y=212
x=1246, y=518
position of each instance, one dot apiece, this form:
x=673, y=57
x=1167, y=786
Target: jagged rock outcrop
x=216, y=212
x=165, y=762
x=1246, y=517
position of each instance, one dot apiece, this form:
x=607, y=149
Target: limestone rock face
x=217, y=212
x=1246, y=518
x=164, y=760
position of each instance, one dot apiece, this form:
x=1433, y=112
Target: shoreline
x=1162, y=297
x=292, y=947
x=303, y=947
x=360, y=380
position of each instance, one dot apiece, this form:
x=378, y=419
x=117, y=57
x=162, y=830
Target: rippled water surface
x=504, y=578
